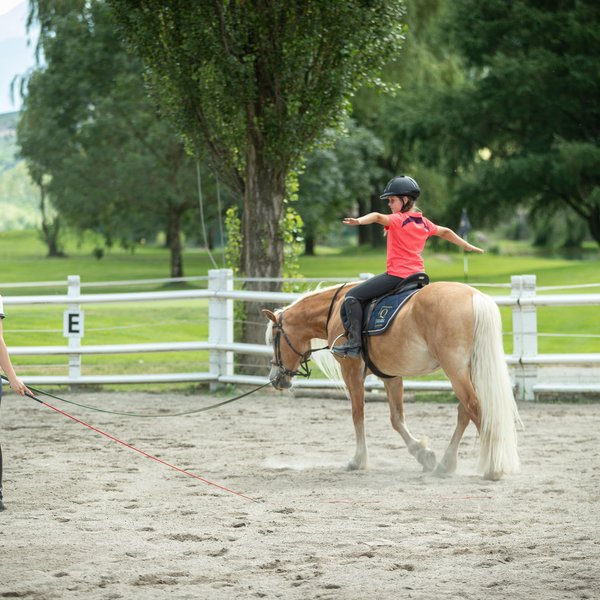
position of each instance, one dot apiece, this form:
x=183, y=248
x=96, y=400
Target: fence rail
x=524, y=361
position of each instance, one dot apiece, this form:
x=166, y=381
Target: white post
x=73, y=327
x=524, y=334
x=220, y=323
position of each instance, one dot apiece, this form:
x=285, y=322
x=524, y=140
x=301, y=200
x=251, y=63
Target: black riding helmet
x=401, y=186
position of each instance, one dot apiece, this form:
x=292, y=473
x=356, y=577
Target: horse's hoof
x=446, y=468
x=442, y=472
x=493, y=475
x=427, y=458
x=355, y=465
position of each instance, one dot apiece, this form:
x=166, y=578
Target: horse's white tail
x=489, y=374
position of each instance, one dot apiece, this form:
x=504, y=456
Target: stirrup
x=346, y=351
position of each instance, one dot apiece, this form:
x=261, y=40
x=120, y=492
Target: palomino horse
x=445, y=325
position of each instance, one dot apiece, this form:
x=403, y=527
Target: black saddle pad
x=386, y=309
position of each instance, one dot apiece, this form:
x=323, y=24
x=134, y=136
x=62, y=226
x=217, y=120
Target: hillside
x=18, y=195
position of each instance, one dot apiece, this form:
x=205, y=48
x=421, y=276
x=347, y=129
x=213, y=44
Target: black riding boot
x=354, y=314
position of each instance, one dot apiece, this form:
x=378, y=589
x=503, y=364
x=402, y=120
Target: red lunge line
x=158, y=460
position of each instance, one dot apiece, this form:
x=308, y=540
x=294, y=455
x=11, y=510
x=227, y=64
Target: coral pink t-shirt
x=407, y=234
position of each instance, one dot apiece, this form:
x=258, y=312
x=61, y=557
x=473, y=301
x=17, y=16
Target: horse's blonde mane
x=327, y=363
x=309, y=293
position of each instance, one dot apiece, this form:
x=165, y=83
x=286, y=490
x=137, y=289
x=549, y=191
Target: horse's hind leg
x=395, y=393
x=447, y=465
x=353, y=376
x=468, y=409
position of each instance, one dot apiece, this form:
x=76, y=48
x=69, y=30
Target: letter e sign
x=73, y=324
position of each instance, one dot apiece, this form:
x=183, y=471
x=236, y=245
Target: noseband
x=279, y=332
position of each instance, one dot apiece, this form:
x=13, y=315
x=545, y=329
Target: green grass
x=23, y=260
x=449, y=266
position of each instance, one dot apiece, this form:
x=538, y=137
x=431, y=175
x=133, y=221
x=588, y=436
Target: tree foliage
x=338, y=173
x=253, y=84
x=523, y=126
x=412, y=76
x=112, y=164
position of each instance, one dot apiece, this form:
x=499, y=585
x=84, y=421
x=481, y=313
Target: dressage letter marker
x=73, y=324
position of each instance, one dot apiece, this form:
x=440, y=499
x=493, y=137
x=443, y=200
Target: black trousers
x=376, y=286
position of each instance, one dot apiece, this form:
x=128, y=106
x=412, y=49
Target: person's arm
x=6, y=365
x=449, y=235
x=368, y=219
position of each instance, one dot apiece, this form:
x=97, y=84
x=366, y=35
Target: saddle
x=380, y=313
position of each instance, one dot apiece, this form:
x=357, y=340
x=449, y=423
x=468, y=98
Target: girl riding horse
x=407, y=231
x=445, y=325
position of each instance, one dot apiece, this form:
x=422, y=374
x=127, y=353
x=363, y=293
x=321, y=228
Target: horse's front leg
x=352, y=372
x=418, y=448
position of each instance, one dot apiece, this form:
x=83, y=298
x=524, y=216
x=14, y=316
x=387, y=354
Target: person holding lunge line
x=15, y=383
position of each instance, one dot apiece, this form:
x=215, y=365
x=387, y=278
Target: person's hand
x=351, y=221
x=471, y=248
x=19, y=387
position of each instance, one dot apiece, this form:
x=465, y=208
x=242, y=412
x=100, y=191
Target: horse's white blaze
x=489, y=374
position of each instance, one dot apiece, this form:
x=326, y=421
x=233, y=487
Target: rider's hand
x=471, y=248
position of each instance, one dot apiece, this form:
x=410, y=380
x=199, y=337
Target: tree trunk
x=50, y=229
x=370, y=234
x=309, y=245
x=262, y=248
x=364, y=236
x=174, y=239
x=594, y=223
x=376, y=232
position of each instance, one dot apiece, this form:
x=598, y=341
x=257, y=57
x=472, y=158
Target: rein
x=131, y=447
x=128, y=414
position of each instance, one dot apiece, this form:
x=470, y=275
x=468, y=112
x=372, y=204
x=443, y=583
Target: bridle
x=279, y=332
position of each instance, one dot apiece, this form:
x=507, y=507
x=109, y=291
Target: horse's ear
x=270, y=315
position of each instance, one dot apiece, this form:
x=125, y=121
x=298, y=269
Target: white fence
x=526, y=365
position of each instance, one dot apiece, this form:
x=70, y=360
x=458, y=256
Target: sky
x=16, y=56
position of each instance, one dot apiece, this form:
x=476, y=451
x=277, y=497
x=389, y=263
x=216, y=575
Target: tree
x=337, y=175
x=253, y=84
x=113, y=165
x=523, y=127
x=424, y=69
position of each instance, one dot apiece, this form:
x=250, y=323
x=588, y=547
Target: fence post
x=220, y=323
x=525, y=345
x=73, y=327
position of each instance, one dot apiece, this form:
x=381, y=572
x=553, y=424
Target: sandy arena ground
x=89, y=518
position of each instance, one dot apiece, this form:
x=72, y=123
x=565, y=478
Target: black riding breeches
x=374, y=287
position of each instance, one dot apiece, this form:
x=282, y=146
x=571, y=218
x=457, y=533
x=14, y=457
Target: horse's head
x=290, y=358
